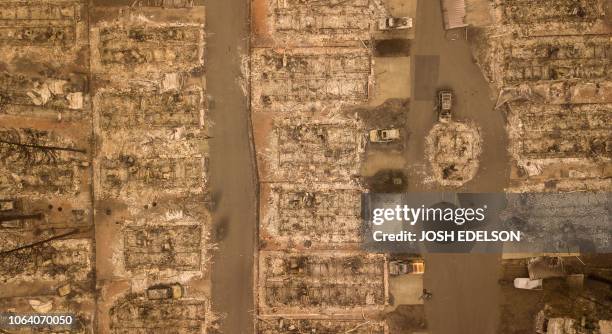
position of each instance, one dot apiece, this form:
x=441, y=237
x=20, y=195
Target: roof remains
x=454, y=14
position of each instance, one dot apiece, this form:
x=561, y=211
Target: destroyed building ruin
x=563, y=222
x=552, y=70
x=40, y=27
x=286, y=326
x=310, y=23
x=142, y=48
x=453, y=149
x=316, y=150
x=103, y=129
x=321, y=282
x=151, y=169
x=312, y=218
x=309, y=79
x=136, y=314
x=46, y=227
x=309, y=62
x=39, y=162
x=177, y=247
x=155, y=108
x=43, y=97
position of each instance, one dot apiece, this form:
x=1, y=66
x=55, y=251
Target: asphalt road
x=455, y=69
x=232, y=174
x=466, y=295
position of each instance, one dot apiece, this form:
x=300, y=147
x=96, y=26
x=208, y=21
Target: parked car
x=384, y=135
x=395, y=23
x=402, y=267
x=445, y=104
x=165, y=291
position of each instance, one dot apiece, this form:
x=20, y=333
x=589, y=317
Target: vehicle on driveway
x=395, y=23
x=384, y=135
x=165, y=291
x=402, y=267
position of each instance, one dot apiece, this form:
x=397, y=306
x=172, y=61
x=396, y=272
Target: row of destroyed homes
x=307, y=63
x=103, y=130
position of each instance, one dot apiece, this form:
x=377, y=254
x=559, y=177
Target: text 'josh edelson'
x=451, y=224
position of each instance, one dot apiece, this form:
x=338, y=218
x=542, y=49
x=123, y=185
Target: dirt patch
x=388, y=181
x=407, y=319
x=389, y=114
x=392, y=48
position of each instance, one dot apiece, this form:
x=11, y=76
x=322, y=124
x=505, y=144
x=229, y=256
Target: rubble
x=137, y=314
x=561, y=221
x=41, y=307
x=44, y=97
x=286, y=326
x=64, y=290
x=318, y=150
x=171, y=107
x=453, y=149
x=310, y=62
x=57, y=260
x=161, y=247
x=515, y=11
x=313, y=216
x=310, y=22
x=163, y=3
x=103, y=115
x=308, y=79
x=42, y=29
x=142, y=47
x=321, y=282
x=552, y=68
x=39, y=162
x=151, y=166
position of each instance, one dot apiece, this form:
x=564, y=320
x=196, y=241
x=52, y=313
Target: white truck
x=384, y=135
x=395, y=23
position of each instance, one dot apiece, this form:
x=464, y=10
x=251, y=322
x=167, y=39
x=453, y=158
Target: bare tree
x=28, y=146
